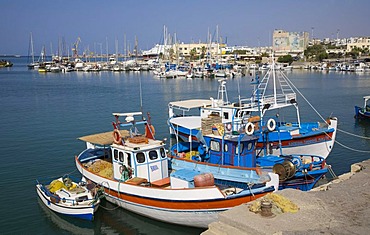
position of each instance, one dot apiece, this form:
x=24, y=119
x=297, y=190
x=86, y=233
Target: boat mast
x=31, y=47
x=273, y=77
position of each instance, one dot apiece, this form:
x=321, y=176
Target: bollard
x=266, y=209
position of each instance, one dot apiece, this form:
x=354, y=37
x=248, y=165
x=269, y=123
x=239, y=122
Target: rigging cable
x=363, y=137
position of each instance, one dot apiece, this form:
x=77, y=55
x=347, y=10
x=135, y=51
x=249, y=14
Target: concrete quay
x=340, y=207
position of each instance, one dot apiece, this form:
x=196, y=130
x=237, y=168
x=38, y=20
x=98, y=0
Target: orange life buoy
x=117, y=137
x=150, y=133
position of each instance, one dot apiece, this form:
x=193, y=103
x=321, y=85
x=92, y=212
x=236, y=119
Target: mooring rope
x=336, y=141
x=359, y=136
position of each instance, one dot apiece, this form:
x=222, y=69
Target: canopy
x=105, y=138
x=190, y=104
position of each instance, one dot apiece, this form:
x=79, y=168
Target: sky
x=99, y=23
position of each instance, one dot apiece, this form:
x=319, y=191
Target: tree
x=193, y=54
x=285, y=59
x=316, y=53
x=203, y=51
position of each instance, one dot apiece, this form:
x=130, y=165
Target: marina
x=47, y=112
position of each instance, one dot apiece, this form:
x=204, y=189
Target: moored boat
x=364, y=111
x=134, y=172
x=69, y=198
x=224, y=148
x=5, y=63
x=295, y=137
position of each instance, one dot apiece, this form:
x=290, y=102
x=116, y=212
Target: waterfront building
x=360, y=43
x=292, y=43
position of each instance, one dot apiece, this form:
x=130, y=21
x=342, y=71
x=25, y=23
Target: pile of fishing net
x=55, y=185
x=102, y=168
x=280, y=204
x=188, y=155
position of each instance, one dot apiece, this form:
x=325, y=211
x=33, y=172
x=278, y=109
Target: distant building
x=184, y=49
x=361, y=43
x=291, y=43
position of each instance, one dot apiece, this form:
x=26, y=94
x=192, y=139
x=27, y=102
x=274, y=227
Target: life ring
x=228, y=126
x=117, y=137
x=328, y=121
x=249, y=128
x=271, y=124
x=150, y=133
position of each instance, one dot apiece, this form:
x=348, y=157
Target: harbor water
x=43, y=114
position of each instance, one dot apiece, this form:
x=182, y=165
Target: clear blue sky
x=242, y=22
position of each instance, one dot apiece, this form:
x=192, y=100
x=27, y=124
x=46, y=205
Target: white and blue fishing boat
x=223, y=146
x=273, y=100
x=239, y=150
x=364, y=111
x=69, y=198
x=133, y=170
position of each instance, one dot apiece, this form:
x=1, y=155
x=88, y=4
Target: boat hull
x=81, y=212
x=319, y=142
x=194, y=207
x=361, y=114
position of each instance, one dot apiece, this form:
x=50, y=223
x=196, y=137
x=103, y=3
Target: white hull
x=189, y=218
x=81, y=211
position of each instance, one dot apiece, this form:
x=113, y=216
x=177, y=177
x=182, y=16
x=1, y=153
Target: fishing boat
x=222, y=148
x=134, y=172
x=272, y=96
x=363, y=112
x=5, y=63
x=69, y=198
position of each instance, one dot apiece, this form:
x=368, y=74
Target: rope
x=349, y=148
x=109, y=209
x=359, y=136
x=344, y=146
x=250, y=188
x=108, y=194
x=332, y=172
x=303, y=97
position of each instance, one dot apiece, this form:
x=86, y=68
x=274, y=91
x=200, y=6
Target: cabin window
x=163, y=153
x=128, y=159
x=215, y=146
x=115, y=154
x=250, y=146
x=120, y=156
x=239, y=148
x=226, y=115
x=140, y=157
x=226, y=148
x=153, y=155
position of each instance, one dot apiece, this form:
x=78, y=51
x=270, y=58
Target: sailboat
x=33, y=64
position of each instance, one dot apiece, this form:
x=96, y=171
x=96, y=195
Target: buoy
x=249, y=128
x=271, y=124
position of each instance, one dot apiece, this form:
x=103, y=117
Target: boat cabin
x=138, y=159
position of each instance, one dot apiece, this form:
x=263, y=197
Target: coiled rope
x=106, y=208
x=336, y=141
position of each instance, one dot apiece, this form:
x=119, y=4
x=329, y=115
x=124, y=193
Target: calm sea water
x=42, y=115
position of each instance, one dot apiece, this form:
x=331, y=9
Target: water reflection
x=110, y=219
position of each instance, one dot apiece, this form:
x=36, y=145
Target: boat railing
x=281, y=99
